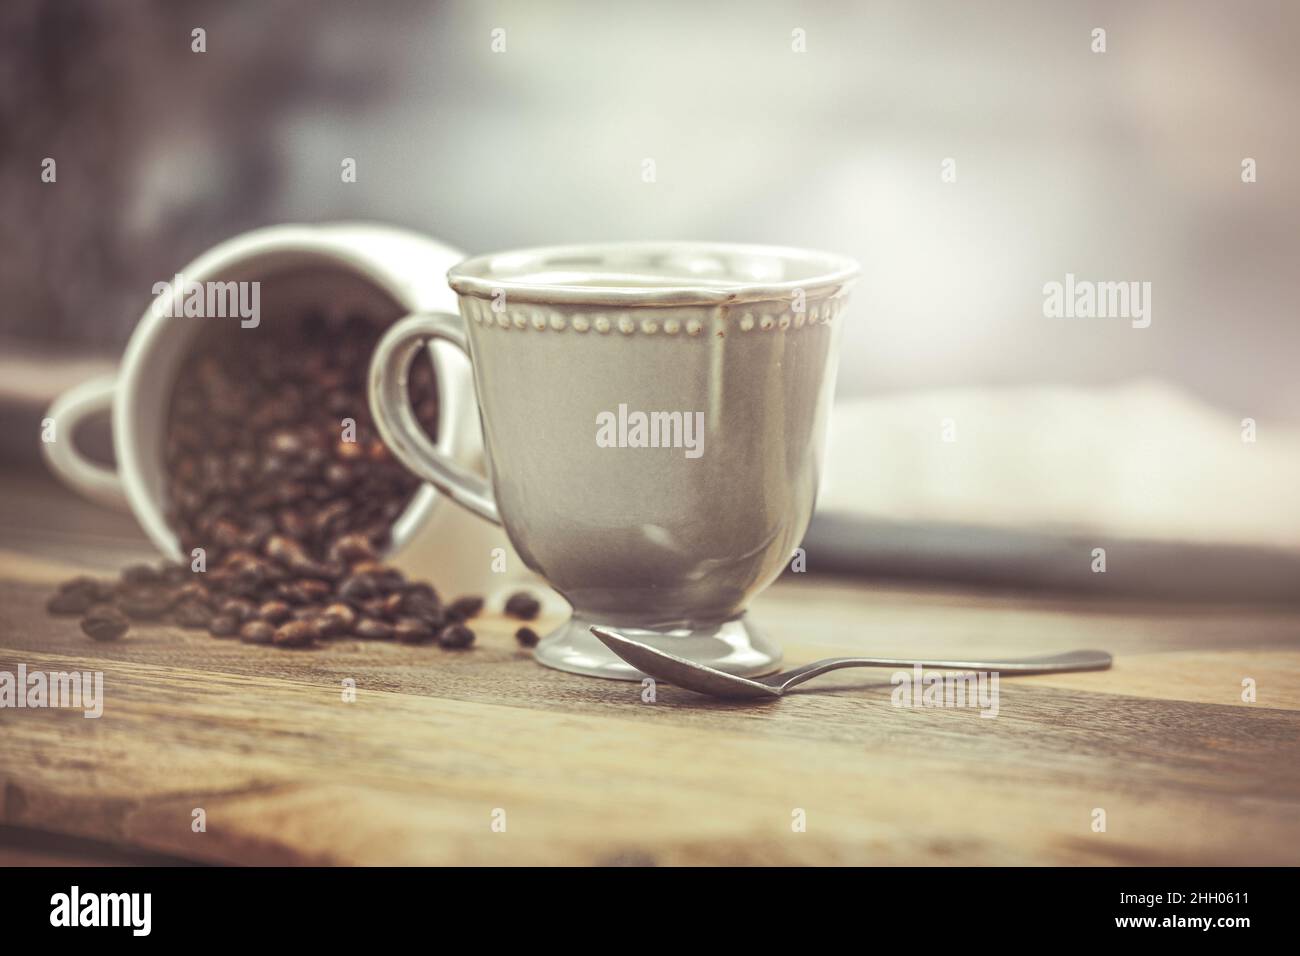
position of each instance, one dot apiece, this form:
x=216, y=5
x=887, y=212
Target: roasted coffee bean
x=257, y=632
x=314, y=589
x=326, y=520
x=72, y=601
x=227, y=534
x=358, y=587
x=176, y=573
x=523, y=605
x=288, y=552
x=411, y=630
x=302, y=591
x=328, y=570
x=393, y=605
x=349, y=451
x=392, y=579
x=241, y=609
x=192, y=614
x=259, y=527
x=294, y=634
x=420, y=589
x=274, y=612
x=288, y=492
x=103, y=622
x=329, y=626
x=343, y=612
x=285, y=442
x=191, y=591
x=352, y=547
x=374, y=607
x=146, y=603
x=248, y=575
x=527, y=637
x=383, y=579
x=291, y=523
x=371, y=629
x=223, y=625
x=338, y=475
x=455, y=637
x=88, y=585
x=463, y=608
x=426, y=609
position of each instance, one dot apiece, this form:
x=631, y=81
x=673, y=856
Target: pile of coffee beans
x=273, y=436
x=261, y=600
x=264, y=600
x=284, y=495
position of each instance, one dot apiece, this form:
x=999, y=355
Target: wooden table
x=438, y=747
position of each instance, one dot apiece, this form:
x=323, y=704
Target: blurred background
x=974, y=439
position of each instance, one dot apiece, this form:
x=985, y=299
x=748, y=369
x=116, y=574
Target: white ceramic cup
x=666, y=541
x=344, y=267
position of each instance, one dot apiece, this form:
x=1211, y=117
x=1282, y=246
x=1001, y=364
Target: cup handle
x=75, y=470
x=390, y=403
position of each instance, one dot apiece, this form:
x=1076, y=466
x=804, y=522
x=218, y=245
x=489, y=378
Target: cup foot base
x=732, y=646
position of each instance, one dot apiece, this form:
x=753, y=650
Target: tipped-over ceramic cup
x=334, y=268
x=653, y=419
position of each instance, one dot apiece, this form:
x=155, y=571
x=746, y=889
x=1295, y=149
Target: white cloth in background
x=1139, y=460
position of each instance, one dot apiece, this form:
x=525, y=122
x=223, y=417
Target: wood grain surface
x=438, y=744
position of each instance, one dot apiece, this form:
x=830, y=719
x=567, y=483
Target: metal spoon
x=708, y=680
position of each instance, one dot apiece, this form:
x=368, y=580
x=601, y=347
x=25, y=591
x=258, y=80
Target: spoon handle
x=1056, y=663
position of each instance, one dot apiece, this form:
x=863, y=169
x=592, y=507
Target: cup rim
x=477, y=276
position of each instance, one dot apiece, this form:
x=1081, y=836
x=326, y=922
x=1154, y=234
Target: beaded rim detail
x=645, y=322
